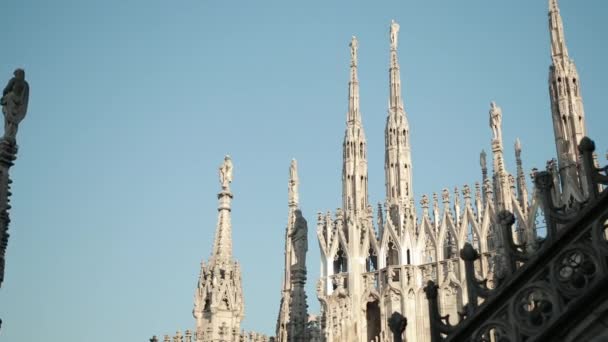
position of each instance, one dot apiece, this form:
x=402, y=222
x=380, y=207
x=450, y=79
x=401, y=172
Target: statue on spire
x=394, y=34
x=226, y=173
x=496, y=121
x=14, y=102
x=299, y=239
x=354, y=45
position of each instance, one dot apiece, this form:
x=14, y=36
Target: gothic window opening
x=340, y=261
x=451, y=302
x=472, y=238
x=450, y=247
x=207, y=306
x=491, y=238
x=372, y=315
x=392, y=255
x=429, y=251
x=224, y=304
x=409, y=261
x=361, y=150
x=371, y=263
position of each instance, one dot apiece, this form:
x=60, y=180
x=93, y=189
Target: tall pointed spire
x=354, y=167
x=502, y=188
x=294, y=181
x=354, y=114
x=395, y=100
x=218, y=298
x=397, y=158
x=559, y=50
x=567, y=109
x=293, y=314
x=222, y=245
x=522, y=189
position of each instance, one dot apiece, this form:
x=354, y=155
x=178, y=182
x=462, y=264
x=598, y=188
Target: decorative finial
x=482, y=159
x=517, y=146
x=553, y=5
x=424, y=202
x=226, y=173
x=445, y=195
x=394, y=34
x=466, y=191
x=354, y=45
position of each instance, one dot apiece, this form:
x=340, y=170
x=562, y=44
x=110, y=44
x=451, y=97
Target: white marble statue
x=394, y=34
x=226, y=172
x=496, y=121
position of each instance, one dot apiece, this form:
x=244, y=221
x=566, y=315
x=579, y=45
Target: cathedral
x=376, y=261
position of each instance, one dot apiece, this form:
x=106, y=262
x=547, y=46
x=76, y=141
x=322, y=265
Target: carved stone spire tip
x=354, y=46
x=293, y=183
x=553, y=6
x=225, y=172
x=517, y=145
x=394, y=33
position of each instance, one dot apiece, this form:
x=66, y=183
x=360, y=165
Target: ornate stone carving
x=225, y=172
x=394, y=34
x=14, y=103
x=496, y=121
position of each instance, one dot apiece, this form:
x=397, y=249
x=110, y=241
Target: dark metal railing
x=542, y=294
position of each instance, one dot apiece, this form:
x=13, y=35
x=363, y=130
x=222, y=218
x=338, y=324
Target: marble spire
x=222, y=245
x=567, y=110
x=397, y=155
x=218, y=298
x=354, y=168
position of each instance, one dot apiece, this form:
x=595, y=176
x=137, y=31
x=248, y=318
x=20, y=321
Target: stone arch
x=373, y=320
x=393, y=256
x=340, y=262
x=450, y=301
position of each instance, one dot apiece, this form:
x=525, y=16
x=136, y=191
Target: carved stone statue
x=496, y=121
x=226, y=173
x=354, y=45
x=14, y=103
x=394, y=34
x=299, y=239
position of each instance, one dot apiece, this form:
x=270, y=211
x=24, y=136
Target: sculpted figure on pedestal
x=226, y=173
x=496, y=120
x=299, y=239
x=14, y=103
x=394, y=33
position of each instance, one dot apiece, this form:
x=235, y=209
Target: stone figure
x=299, y=239
x=496, y=120
x=394, y=33
x=226, y=172
x=354, y=45
x=14, y=103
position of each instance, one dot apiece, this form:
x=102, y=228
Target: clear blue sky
x=133, y=105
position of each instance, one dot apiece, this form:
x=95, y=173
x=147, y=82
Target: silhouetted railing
x=542, y=294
